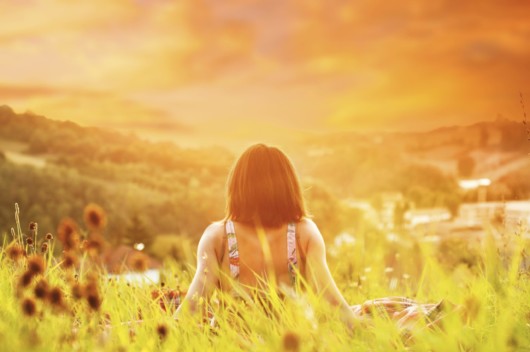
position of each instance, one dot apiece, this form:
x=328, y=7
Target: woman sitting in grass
x=267, y=236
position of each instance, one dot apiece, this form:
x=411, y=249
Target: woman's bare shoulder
x=309, y=226
x=214, y=232
x=213, y=237
x=308, y=230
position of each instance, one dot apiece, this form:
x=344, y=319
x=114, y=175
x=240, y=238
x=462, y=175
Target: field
x=123, y=130
x=69, y=303
x=62, y=299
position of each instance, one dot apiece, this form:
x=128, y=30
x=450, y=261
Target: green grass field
x=68, y=303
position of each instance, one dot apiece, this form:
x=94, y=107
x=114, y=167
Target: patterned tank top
x=233, y=252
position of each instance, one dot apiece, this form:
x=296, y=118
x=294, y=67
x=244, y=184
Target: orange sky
x=209, y=70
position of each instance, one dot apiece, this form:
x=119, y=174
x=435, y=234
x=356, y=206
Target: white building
x=477, y=214
x=513, y=213
x=416, y=217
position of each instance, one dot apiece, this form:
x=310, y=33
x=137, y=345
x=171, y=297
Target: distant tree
x=38, y=142
x=6, y=111
x=430, y=177
x=377, y=202
x=399, y=214
x=137, y=232
x=452, y=201
x=484, y=136
x=421, y=196
x=326, y=210
x=466, y=166
x=512, y=136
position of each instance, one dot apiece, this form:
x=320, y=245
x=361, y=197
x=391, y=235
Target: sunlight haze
x=201, y=72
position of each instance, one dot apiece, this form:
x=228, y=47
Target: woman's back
x=263, y=190
x=260, y=253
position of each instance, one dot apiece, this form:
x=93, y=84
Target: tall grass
x=487, y=304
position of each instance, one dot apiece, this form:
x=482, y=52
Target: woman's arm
x=207, y=275
x=319, y=276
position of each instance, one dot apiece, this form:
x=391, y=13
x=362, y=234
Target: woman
x=266, y=232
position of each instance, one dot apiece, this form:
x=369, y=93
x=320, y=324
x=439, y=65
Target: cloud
x=23, y=92
x=91, y=108
x=266, y=65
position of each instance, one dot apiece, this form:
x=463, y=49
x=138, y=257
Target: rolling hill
x=54, y=168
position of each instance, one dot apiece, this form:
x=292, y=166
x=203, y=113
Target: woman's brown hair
x=263, y=189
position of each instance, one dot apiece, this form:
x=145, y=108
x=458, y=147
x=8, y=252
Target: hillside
x=54, y=168
x=364, y=164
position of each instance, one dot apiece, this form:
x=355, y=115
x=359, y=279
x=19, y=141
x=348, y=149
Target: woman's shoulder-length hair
x=263, y=189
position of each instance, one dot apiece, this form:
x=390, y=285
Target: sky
x=209, y=71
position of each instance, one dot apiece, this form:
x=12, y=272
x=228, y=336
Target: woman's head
x=263, y=188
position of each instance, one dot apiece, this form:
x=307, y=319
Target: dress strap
x=233, y=252
x=291, y=251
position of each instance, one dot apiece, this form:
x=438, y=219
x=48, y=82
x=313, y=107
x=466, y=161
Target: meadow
x=68, y=302
x=401, y=119
x=57, y=295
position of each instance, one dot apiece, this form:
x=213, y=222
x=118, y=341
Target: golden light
x=186, y=70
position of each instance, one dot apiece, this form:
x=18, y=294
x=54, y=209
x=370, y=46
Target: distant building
x=476, y=214
x=382, y=209
x=365, y=207
x=474, y=184
x=480, y=184
x=512, y=214
x=416, y=217
x=389, y=202
x=517, y=214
